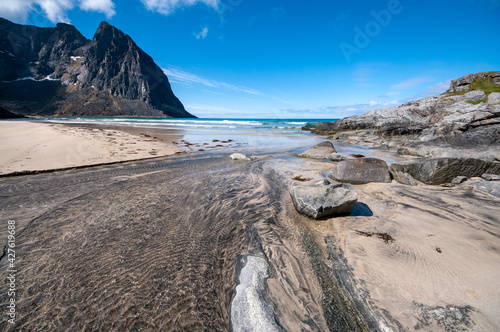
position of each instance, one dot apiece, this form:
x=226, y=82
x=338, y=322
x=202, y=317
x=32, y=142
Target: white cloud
x=55, y=10
x=167, y=7
x=106, y=7
x=202, y=34
x=16, y=10
x=182, y=77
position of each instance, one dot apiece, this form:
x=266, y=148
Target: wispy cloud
x=202, y=34
x=277, y=13
x=337, y=112
x=210, y=110
x=389, y=94
x=433, y=90
x=411, y=83
x=368, y=73
x=167, y=7
x=182, y=77
x=54, y=10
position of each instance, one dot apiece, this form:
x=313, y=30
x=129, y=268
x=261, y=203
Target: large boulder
x=319, y=151
x=323, y=199
x=437, y=171
x=360, y=171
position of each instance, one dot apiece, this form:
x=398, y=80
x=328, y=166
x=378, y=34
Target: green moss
x=339, y=308
x=477, y=102
x=485, y=85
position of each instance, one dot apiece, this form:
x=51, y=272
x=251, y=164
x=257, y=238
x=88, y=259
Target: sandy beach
x=158, y=244
x=34, y=146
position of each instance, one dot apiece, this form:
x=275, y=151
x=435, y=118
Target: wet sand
x=158, y=245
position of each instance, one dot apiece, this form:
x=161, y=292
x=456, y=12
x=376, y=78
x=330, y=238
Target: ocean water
x=276, y=125
x=249, y=133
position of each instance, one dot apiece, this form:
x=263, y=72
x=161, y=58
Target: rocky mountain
x=58, y=72
x=4, y=114
x=462, y=122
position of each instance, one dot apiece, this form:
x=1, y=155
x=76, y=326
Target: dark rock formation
x=4, y=114
x=57, y=71
x=319, y=151
x=360, y=171
x=437, y=171
x=323, y=199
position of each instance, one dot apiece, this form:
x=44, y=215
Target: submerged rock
x=319, y=151
x=360, y=171
x=437, y=171
x=240, y=156
x=323, y=199
x=336, y=157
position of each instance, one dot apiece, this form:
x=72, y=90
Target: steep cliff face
x=106, y=76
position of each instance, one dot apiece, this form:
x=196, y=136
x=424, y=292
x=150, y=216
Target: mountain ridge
x=108, y=75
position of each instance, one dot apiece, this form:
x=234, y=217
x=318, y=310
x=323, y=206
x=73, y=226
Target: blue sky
x=293, y=59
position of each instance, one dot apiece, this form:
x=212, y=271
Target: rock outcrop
x=57, y=71
x=437, y=171
x=323, y=199
x=361, y=171
x=465, y=121
x=319, y=151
